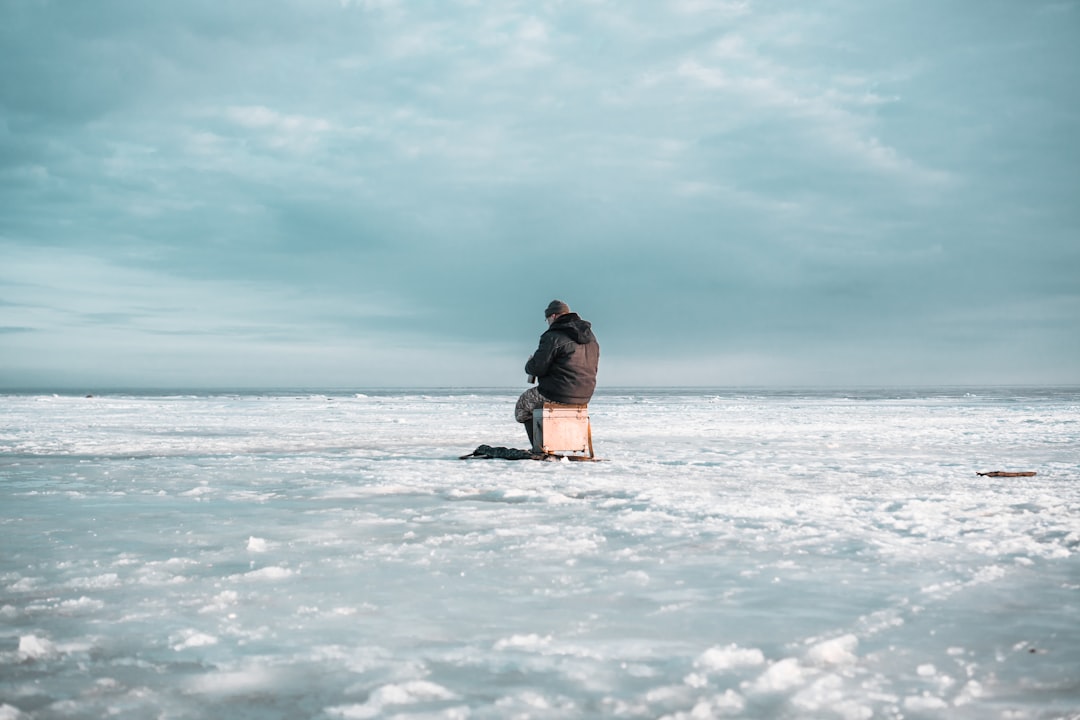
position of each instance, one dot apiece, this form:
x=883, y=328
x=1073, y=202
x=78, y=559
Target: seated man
x=564, y=363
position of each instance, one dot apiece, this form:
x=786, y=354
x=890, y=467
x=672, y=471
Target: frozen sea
x=739, y=553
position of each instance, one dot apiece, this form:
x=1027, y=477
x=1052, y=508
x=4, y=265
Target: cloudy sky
x=362, y=193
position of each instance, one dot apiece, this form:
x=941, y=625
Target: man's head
x=554, y=309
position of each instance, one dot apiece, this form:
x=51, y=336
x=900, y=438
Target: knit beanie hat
x=556, y=307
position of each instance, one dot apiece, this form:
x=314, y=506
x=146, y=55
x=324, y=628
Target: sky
x=386, y=193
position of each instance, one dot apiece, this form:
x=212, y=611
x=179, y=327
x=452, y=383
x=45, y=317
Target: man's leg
x=523, y=410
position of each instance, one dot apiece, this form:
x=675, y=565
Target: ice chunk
x=10, y=712
x=829, y=694
x=971, y=691
x=191, y=639
x=781, y=676
x=414, y=691
x=82, y=603
x=257, y=545
x=719, y=659
x=531, y=642
x=920, y=703
x=730, y=703
x=32, y=647
x=838, y=651
x=269, y=573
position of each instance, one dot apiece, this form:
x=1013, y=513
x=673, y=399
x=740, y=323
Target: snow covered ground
x=739, y=554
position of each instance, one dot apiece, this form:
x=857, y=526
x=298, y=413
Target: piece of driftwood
x=1002, y=473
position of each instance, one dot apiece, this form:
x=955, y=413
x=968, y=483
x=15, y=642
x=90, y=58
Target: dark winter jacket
x=565, y=363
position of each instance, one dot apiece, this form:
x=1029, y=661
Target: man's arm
x=541, y=360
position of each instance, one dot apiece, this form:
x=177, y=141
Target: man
x=564, y=364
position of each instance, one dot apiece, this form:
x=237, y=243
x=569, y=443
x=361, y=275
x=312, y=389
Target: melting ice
x=745, y=555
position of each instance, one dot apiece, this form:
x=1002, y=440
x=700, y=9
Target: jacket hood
x=571, y=325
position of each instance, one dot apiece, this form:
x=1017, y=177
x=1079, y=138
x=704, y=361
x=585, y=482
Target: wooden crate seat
x=562, y=429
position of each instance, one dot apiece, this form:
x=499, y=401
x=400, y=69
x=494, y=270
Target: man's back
x=566, y=360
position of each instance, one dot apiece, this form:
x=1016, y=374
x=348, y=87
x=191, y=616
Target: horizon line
x=223, y=389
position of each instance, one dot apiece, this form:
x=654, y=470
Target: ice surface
x=746, y=555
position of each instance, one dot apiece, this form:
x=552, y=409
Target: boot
x=529, y=432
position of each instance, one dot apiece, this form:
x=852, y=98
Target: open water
x=744, y=554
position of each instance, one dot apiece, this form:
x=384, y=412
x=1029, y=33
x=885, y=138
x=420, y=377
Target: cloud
x=833, y=115
x=260, y=117
x=729, y=8
x=371, y=5
x=296, y=132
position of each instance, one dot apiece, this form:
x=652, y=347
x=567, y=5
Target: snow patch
x=32, y=647
x=531, y=642
x=414, y=691
x=273, y=572
x=781, y=676
x=920, y=703
x=238, y=682
x=827, y=694
x=187, y=639
x=10, y=712
x=838, y=651
x=82, y=603
x=720, y=659
x=972, y=691
x=100, y=582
